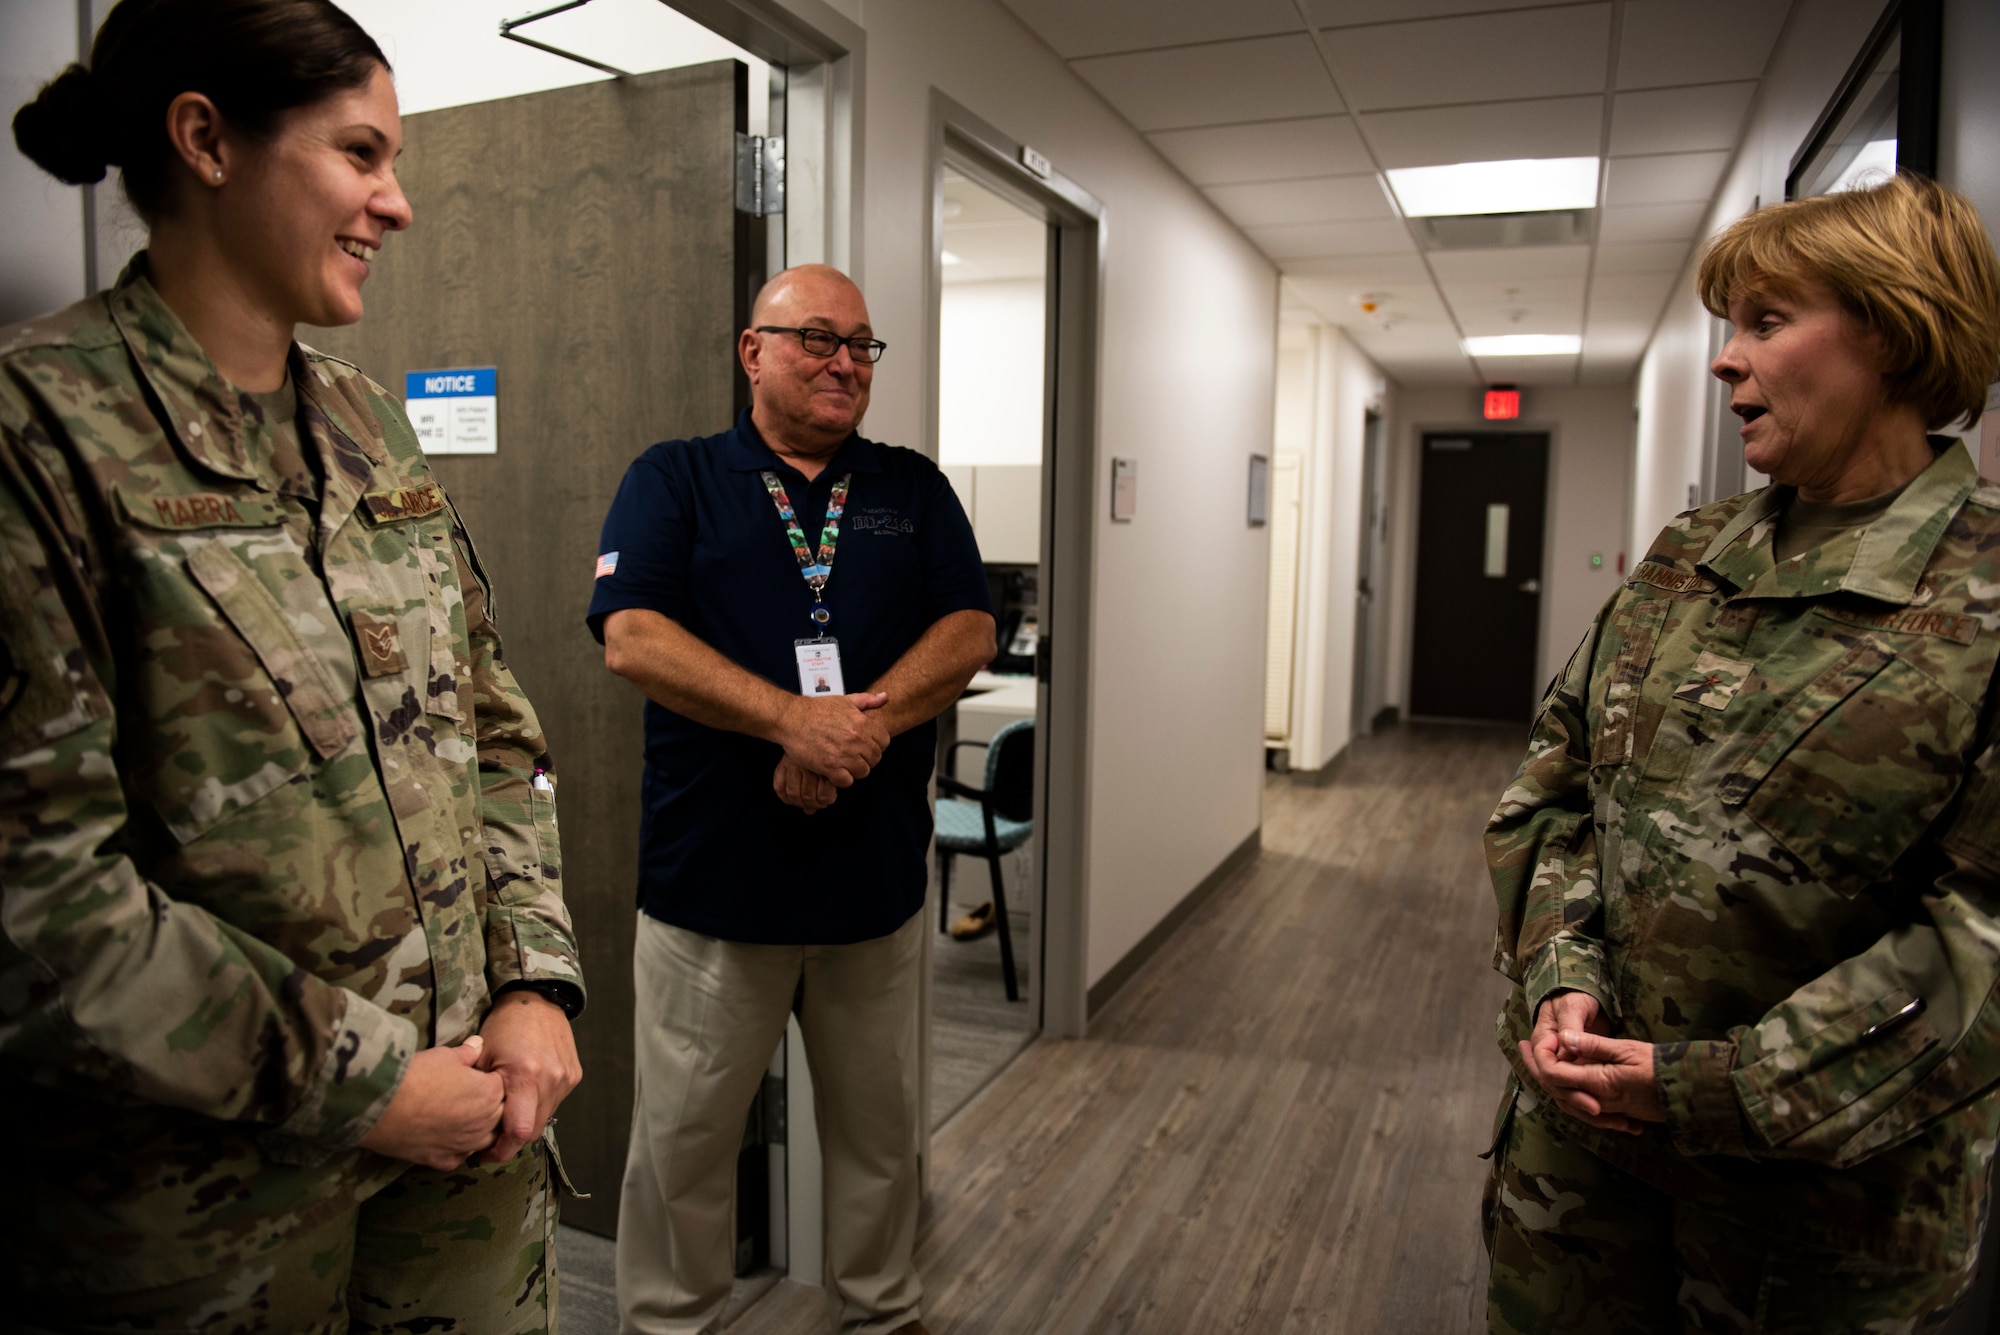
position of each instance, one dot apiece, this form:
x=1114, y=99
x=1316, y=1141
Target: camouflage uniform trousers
x=1581, y=1247
x=470, y=1251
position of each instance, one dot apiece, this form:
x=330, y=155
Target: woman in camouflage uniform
x=1749, y=873
x=285, y=973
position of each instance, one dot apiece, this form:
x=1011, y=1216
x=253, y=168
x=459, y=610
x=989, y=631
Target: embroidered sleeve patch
x=389, y=507
x=606, y=564
x=200, y=509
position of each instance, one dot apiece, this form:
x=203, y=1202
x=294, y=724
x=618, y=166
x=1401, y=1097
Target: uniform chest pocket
x=249, y=710
x=407, y=613
x=1854, y=767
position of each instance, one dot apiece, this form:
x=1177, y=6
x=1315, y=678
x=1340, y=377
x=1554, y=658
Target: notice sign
x=454, y=412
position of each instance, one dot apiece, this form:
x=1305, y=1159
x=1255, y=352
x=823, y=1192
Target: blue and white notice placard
x=456, y=411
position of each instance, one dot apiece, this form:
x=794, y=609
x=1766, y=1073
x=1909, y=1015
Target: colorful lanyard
x=816, y=572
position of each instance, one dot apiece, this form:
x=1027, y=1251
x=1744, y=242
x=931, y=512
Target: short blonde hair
x=1908, y=258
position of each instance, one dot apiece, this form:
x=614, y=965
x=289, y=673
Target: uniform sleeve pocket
x=1855, y=767
x=1805, y=1082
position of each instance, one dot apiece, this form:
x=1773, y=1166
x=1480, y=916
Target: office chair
x=993, y=820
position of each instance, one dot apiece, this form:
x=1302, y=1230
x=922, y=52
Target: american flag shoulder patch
x=606, y=563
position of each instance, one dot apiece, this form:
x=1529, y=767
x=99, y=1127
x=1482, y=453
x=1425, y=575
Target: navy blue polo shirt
x=694, y=536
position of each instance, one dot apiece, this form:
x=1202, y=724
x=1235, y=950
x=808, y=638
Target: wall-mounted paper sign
x=1124, y=489
x=455, y=411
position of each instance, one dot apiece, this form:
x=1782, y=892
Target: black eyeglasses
x=825, y=343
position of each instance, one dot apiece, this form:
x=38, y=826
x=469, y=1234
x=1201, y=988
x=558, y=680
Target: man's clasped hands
x=830, y=742
x=1603, y=1081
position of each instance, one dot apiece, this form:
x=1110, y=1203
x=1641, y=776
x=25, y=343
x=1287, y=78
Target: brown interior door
x=584, y=242
x=1479, y=575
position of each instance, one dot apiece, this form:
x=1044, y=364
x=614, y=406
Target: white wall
x=1819, y=43
x=991, y=336
x=1344, y=386
x=1176, y=712
x=41, y=219
x=1590, y=446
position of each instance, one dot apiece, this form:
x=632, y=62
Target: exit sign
x=1503, y=405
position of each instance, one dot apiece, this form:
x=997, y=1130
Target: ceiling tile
x=1669, y=178
x=1527, y=370
x=1365, y=272
x=1485, y=324
x=1524, y=262
x=1613, y=373
x=1696, y=41
x=1556, y=127
x=1679, y=120
x=1475, y=58
x=1513, y=290
x=1650, y=222
x=1336, y=13
x=1267, y=151
x=1266, y=78
x=1330, y=199
x=1625, y=313
x=1311, y=240
x=1135, y=25
x=1642, y=257
x=1632, y=286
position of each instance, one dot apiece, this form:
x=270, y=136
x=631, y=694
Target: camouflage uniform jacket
x=1759, y=821
x=267, y=818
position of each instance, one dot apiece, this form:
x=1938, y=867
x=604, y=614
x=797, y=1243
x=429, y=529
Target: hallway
x=1274, y=1126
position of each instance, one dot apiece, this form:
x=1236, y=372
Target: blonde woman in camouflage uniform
x=1749, y=873
x=285, y=972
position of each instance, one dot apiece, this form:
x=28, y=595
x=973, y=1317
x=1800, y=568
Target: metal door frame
x=997, y=161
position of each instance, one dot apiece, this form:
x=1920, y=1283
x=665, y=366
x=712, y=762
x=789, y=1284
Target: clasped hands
x=488, y=1096
x=830, y=742
x=1599, y=1080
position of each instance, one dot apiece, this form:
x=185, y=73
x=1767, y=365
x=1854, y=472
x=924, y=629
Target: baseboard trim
x=1149, y=945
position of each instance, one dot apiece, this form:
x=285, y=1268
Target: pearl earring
x=218, y=175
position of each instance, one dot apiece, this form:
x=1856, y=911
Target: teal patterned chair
x=989, y=822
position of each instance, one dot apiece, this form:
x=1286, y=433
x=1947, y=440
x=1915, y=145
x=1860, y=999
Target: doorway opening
x=1372, y=569
x=1013, y=292
x=992, y=422
x=1478, y=618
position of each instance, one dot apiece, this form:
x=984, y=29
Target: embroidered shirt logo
x=1715, y=681
x=1953, y=626
x=387, y=507
x=200, y=509
x=606, y=564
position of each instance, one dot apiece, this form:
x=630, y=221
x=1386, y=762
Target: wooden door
x=585, y=243
x=1479, y=576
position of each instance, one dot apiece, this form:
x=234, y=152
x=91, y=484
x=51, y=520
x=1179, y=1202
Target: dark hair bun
x=61, y=130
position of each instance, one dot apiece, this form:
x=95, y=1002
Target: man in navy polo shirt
x=798, y=604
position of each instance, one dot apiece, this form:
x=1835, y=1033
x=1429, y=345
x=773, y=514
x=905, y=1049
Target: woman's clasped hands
x=1602, y=1081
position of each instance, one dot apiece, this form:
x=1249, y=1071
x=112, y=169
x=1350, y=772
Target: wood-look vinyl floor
x=975, y=1030
x=1274, y=1126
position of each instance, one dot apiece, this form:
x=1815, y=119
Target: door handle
x=1531, y=586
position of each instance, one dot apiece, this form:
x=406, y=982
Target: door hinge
x=760, y=174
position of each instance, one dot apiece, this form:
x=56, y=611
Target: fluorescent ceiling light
x=1524, y=345
x=1522, y=185
x=948, y=257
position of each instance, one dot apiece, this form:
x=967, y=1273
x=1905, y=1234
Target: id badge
x=819, y=666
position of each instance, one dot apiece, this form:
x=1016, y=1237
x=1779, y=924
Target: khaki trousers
x=709, y=1015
